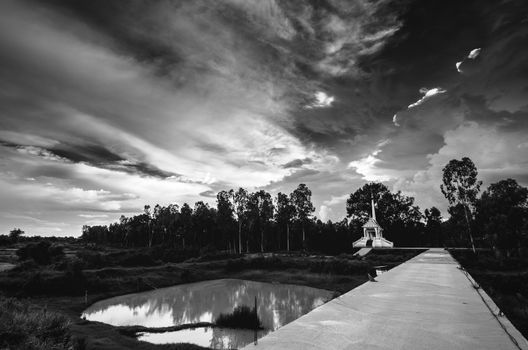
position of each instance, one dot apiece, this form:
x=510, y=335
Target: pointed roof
x=371, y=223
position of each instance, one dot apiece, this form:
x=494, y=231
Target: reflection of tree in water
x=224, y=338
x=204, y=301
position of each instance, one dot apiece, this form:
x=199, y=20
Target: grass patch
x=25, y=326
x=336, y=266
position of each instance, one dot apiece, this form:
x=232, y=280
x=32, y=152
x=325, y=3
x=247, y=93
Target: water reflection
x=208, y=337
x=278, y=304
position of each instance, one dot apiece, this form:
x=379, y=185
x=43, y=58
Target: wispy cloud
x=427, y=94
x=93, y=216
x=395, y=120
x=474, y=53
x=321, y=100
x=369, y=169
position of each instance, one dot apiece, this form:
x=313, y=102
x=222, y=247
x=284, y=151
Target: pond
x=208, y=337
x=277, y=305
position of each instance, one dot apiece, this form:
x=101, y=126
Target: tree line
x=245, y=221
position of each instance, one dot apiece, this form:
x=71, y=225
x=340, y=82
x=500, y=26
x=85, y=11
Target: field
x=72, y=281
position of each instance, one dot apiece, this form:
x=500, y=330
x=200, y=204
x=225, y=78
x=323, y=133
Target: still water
x=277, y=305
x=208, y=337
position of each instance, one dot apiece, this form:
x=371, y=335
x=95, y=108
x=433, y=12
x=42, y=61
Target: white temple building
x=372, y=234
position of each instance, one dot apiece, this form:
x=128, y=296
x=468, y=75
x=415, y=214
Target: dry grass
x=26, y=326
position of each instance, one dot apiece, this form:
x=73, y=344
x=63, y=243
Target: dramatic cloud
x=321, y=100
x=395, y=120
x=427, y=94
x=472, y=55
x=107, y=106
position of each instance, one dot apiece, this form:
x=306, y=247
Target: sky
x=108, y=105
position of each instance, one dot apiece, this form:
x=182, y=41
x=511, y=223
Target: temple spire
x=372, y=231
x=372, y=205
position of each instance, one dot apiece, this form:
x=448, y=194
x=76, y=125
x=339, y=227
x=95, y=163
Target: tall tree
x=148, y=217
x=15, y=234
x=203, y=224
x=284, y=215
x=156, y=224
x=169, y=222
x=502, y=215
x=396, y=213
x=461, y=187
x=260, y=206
x=433, y=219
x=186, y=214
x=224, y=218
x=301, y=199
x=392, y=207
x=358, y=205
x=240, y=202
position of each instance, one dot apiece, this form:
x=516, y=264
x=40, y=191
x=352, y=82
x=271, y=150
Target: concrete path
x=425, y=303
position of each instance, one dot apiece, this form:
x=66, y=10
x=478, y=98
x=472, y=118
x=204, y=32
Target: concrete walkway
x=425, y=303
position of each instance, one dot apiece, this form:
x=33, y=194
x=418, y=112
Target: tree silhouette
x=186, y=213
x=15, y=234
x=240, y=202
x=502, y=214
x=301, y=199
x=396, y=213
x=284, y=215
x=260, y=207
x=433, y=226
x=461, y=187
x=224, y=218
x=392, y=207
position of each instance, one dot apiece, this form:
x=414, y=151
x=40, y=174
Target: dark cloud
x=302, y=46
x=297, y=163
x=299, y=176
x=208, y=194
x=91, y=154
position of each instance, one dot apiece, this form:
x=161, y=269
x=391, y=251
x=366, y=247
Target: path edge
x=517, y=338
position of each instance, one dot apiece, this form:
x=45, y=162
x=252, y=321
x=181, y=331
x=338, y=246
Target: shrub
x=27, y=265
x=241, y=317
x=139, y=259
x=258, y=263
x=208, y=250
x=177, y=256
x=92, y=260
x=186, y=276
x=217, y=256
x=339, y=266
x=25, y=326
x=5, y=240
x=43, y=253
x=74, y=271
x=235, y=264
